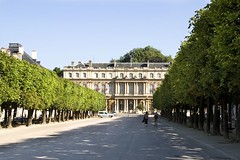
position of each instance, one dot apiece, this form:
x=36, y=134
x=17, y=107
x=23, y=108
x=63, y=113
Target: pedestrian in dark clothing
x=145, y=117
x=155, y=119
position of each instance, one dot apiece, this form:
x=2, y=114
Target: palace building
x=127, y=86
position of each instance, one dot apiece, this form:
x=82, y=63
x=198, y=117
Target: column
x=117, y=105
x=127, y=108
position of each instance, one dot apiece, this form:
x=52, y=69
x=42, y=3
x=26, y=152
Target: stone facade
x=126, y=85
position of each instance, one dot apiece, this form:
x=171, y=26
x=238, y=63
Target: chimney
x=90, y=63
x=72, y=63
x=34, y=54
x=21, y=50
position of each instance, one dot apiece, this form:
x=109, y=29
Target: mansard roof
x=123, y=65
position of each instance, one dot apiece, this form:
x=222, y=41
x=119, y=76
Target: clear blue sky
x=62, y=31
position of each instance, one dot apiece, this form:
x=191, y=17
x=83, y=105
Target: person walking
x=145, y=117
x=155, y=119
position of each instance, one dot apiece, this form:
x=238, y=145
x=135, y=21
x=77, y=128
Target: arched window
x=96, y=75
x=151, y=75
x=159, y=76
x=140, y=75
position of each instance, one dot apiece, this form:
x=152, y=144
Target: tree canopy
x=145, y=54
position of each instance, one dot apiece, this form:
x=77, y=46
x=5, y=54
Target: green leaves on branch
x=34, y=87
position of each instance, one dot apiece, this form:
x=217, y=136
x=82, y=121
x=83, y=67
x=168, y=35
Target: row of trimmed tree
x=34, y=88
x=203, y=80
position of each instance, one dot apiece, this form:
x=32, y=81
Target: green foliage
x=58, y=71
x=145, y=54
x=34, y=87
x=207, y=64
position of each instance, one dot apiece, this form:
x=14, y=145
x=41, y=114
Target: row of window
x=110, y=75
x=109, y=88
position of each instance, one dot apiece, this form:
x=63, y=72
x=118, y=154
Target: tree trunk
x=216, y=120
x=195, y=115
x=230, y=116
x=59, y=115
x=201, y=115
x=5, y=117
x=50, y=115
x=185, y=115
x=63, y=116
x=44, y=115
x=238, y=123
x=9, y=122
x=191, y=117
x=225, y=117
x=30, y=115
x=209, y=110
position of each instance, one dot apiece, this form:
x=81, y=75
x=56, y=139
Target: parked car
x=103, y=114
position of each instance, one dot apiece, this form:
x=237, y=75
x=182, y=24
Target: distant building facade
x=127, y=86
x=16, y=50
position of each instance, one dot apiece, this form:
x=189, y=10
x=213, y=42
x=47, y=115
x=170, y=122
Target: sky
x=62, y=31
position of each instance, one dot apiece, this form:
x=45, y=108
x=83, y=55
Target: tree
x=58, y=71
x=145, y=54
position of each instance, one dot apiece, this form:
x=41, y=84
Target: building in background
x=16, y=50
x=127, y=86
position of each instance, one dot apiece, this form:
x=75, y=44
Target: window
x=70, y=75
x=110, y=75
x=131, y=88
x=122, y=88
x=159, y=75
x=96, y=75
x=140, y=88
x=103, y=75
x=130, y=75
x=77, y=75
x=111, y=88
x=151, y=75
x=103, y=88
x=130, y=104
x=121, y=105
x=121, y=75
x=96, y=87
x=140, y=75
x=84, y=75
x=151, y=90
